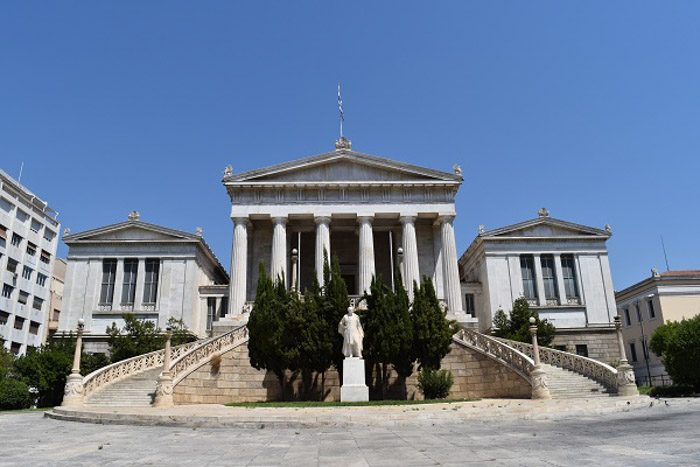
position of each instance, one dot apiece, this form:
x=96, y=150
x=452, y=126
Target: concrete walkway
x=211, y=415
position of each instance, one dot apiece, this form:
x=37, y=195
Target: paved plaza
x=658, y=435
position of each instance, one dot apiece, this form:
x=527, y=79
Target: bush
x=140, y=336
x=14, y=395
x=516, y=326
x=678, y=344
x=435, y=384
x=675, y=390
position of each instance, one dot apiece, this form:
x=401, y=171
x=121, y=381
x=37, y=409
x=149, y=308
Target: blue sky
x=588, y=108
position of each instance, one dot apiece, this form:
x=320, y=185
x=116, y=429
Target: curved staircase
x=565, y=384
x=134, y=391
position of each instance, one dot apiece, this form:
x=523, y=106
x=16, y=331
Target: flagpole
x=341, y=115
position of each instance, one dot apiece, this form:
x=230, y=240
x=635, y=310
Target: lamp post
x=537, y=375
x=295, y=262
x=626, y=385
x=73, y=391
x=399, y=253
x=164, y=388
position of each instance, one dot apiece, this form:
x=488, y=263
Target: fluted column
x=323, y=243
x=438, y=283
x=411, y=271
x=366, y=259
x=278, y=263
x=239, y=269
x=453, y=289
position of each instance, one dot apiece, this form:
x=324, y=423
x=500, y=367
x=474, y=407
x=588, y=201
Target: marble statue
x=351, y=330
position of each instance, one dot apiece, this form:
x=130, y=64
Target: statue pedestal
x=354, y=388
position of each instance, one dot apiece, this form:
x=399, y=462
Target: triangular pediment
x=130, y=231
x=544, y=227
x=343, y=166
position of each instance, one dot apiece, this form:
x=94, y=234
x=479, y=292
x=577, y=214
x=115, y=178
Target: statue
x=351, y=330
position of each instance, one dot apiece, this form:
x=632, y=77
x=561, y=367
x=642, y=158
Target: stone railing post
x=626, y=385
x=164, y=388
x=538, y=375
x=73, y=391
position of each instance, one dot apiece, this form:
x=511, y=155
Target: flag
x=340, y=105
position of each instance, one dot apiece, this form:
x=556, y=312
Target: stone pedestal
x=354, y=388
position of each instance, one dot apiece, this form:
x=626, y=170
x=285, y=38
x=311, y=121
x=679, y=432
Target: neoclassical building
x=372, y=213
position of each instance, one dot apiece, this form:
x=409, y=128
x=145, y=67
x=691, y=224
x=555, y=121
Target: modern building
x=373, y=213
x=28, y=241
x=135, y=267
x=58, y=280
x=561, y=268
x=646, y=305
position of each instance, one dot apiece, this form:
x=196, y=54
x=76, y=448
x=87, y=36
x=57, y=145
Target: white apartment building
x=28, y=241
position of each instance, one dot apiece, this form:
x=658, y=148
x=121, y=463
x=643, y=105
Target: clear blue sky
x=588, y=108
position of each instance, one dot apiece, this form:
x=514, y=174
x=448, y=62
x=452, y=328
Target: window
x=27, y=273
x=49, y=234
x=16, y=239
x=560, y=347
x=3, y=232
x=652, y=312
x=129, y=284
x=6, y=205
x=41, y=279
x=633, y=352
x=628, y=321
x=31, y=249
x=56, y=315
x=34, y=327
x=569, y=276
x=19, y=323
x=23, y=297
x=7, y=290
x=22, y=216
x=3, y=317
x=35, y=226
x=15, y=347
x=639, y=313
x=211, y=311
x=38, y=302
x=469, y=303
x=45, y=257
x=150, y=288
x=527, y=269
x=12, y=265
x=550, y=281
x=109, y=271
x=582, y=350
x=224, y=307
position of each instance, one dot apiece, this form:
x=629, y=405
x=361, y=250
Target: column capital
x=408, y=219
x=240, y=220
x=365, y=219
x=322, y=219
x=279, y=220
x=446, y=218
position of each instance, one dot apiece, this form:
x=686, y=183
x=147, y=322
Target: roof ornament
x=343, y=143
x=655, y=272
x=198, y=232
x=607, y=228
x=228, y=170
x=482, y=229
x=66, y=232
x=134, y=216
x=543, y=212
x=457, y=169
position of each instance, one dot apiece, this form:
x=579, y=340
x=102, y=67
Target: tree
x=432, y=332
x=516, y=326
x=678, y=344
x=139, y=336
x=333, y=303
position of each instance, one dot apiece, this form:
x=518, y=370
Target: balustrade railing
x=593, y=369
x=512, y=357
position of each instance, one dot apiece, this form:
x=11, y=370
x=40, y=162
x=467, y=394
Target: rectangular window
x=49, y=234
x=527, y=270
x=469, y=303
x=41, y=279
x=23, y=297
x=45, y=257
x=35, y=226
x=129, y=285
x=582, y=350
x=12, y=265
x=633, y=352
x=31, y=249
x=3, y=232
x=22, y=216
x=224, y=307
x=569, y=276
x=652, y=312
x=639, y=313
x=150, y=286
x=628, y=320
x=109, y=272
x=548, y=277
x=27, y=273
x=38, y=302
x=56, y=315
x=3, y=317
x=15, y=347
x=34, y=327
x=19, y=323
x=16, y=239
x=211, y=311
x=7, y=290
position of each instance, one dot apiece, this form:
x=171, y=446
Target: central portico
x=376, y=215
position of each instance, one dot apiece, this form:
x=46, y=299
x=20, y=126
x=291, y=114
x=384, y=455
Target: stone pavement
x=657, y=435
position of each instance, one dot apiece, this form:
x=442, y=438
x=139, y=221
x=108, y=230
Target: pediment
x=343, y=166
x=544, y=227
x=129, y=231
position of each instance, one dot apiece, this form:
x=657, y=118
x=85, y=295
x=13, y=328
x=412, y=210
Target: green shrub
x=516, y=325
x=678, y=344
x=675, y=390
x=14, y=395
x=435, y=384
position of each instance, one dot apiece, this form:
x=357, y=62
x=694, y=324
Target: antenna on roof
x=21, y=167
x=663, y=245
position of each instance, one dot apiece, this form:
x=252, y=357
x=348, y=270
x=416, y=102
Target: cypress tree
x=432, y=332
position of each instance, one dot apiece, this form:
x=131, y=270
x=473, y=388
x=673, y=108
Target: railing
x=502, y=352
x=125, y=368
x=187, y=362
x=593, y=369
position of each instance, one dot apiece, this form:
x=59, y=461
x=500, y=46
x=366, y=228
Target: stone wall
x=475, y=376
x=602, y=343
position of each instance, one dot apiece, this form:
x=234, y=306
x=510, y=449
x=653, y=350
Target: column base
x=354, y=388
x=73, y=392
x=539, y=384
x=626, y=384
x=164, y=391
